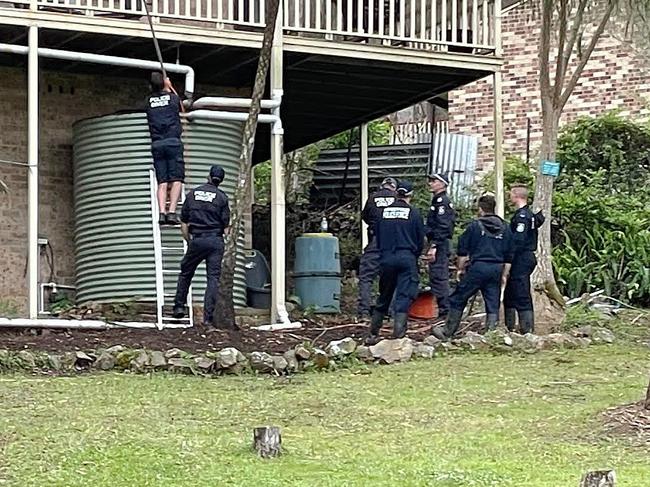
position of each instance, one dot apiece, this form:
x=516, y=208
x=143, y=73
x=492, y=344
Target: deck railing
x=446, y=25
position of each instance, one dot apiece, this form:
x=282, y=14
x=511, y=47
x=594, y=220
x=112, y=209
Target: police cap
x=217, y=174
x=442, y=177
x=405, y=188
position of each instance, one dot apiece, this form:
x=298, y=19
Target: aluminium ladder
x=169, y=248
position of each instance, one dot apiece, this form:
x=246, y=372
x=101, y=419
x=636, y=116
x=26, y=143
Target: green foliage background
x=601, y=214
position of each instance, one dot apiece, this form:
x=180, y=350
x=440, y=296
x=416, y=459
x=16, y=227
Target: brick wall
x=64, y=99
x=613, y=79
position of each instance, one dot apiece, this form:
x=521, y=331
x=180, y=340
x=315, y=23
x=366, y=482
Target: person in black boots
x=400, y=239
x=205, y=218
x=440, y=228
x=517, y=298
x=486, y=245
x=163, y=108
x=369, y=264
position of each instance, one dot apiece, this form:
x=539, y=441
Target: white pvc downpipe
x=85, y=57
x=235, y=116
x=224, y=101
x=279, y=315
x=364, y=182
x=32, y=173
x=80, y=324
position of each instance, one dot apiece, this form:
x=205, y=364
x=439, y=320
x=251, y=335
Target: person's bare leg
x=162, y=198
x=174, y=195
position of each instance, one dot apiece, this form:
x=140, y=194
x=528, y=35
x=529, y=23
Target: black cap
x=217, y=173
x=440, y=176
x=405, y=188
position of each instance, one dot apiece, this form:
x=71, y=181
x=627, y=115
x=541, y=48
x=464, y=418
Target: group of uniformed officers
x=491, y=254
x=493, y=257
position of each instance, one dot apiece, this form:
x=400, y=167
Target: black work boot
x=510, y=317
x=172, y=219
x=399, y=328
x=162, y=219
x=447, y=331
x=527, y=321
x=491, y=321
x=178, y=312
x=376, y=321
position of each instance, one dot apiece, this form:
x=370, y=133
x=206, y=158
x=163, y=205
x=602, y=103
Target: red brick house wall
x=614, y=78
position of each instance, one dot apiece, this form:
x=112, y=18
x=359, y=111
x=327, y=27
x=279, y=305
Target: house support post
x=32, y=177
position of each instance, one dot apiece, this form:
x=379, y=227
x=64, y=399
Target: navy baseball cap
x=217, y=172
x=440, y=176
x=405, y=188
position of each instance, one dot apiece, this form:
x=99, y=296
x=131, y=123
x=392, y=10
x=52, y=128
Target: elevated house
x=336, y=65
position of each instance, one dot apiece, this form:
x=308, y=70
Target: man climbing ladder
x=163, y=115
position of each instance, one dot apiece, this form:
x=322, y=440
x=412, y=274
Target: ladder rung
x=170, y=272
x=172, y=248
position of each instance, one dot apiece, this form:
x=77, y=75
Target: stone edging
x=339, y=353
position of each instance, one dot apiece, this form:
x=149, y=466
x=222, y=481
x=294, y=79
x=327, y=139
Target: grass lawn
x=462, y=420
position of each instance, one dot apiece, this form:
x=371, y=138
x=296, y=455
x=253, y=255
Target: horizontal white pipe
x=77, y=324
x=224, y=101
x=235, y=116
x=86, y=57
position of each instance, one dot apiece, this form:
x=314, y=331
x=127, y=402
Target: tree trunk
x=547, y=298
x=601, y=478
x=267, y=441
x=544, y=278
x=224, y=316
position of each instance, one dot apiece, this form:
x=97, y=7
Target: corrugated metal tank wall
x=113, y=231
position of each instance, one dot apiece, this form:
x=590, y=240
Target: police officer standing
x=440, y=229
x=400, y=239
x=369, y=264
x=524, y=227
x=205, y=218
x=486, y=244
x=163, y=115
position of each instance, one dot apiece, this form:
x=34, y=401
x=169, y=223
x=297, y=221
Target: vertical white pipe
x=278, y=244
x=364, y=181
x=498, y=144
x=32, y=178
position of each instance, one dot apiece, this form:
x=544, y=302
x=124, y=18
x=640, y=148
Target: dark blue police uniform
x=207, y=214
x=165, y=129
x=517, y=297
x=440, y=229
x=369, y=263
x=487, y=242
x=400, y=239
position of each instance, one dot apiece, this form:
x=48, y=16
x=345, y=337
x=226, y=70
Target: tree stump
x=600, y=478
x=267, y=441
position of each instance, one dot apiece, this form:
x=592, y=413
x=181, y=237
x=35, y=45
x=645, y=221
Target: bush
x=604, y=240
x=611, y=143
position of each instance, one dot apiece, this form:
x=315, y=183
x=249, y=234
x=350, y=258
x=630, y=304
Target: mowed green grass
x=462, y=420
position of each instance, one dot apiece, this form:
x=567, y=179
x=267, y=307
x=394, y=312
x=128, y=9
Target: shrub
x=617, y=145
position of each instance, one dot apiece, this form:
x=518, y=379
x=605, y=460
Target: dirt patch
x=196, y=339
x=630, y=420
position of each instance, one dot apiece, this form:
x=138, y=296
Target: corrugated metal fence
x=452, y=153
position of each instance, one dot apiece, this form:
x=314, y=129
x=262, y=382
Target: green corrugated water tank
x=113, y=229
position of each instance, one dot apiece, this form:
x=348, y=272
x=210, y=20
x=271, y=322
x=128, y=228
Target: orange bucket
x=424, y=307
